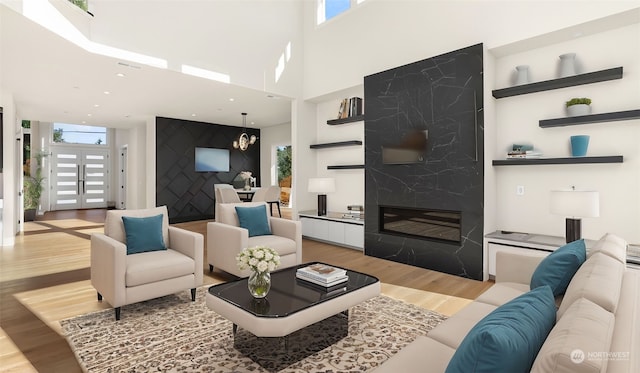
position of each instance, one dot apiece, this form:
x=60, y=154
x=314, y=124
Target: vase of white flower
x=261, y=261
x=246, y=176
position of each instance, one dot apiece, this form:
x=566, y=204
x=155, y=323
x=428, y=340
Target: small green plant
x=34, y=184
x=577, y=101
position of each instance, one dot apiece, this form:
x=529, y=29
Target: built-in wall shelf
x=568, y=160
x=336, y=144
x=345, y=167
x=593, y=118
x=569, y=81
x=355, y=118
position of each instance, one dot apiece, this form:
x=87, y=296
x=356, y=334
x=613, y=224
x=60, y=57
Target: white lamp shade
x=322, y=185
x=575, y=203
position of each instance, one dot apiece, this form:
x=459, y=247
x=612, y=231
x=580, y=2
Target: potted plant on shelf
x=33, y=187
x=578, y=106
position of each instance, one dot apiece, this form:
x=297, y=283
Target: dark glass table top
x=288, y=294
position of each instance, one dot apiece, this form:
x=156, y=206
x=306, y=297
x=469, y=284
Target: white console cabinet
x=333, y=228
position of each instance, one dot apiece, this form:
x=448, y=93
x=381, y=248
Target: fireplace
x=421, y=223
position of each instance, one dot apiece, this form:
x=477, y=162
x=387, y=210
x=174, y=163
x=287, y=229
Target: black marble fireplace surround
x=442, y=95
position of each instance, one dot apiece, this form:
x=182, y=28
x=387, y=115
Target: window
x=79, y=134
x=328, y=9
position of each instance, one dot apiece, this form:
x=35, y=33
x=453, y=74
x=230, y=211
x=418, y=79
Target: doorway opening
x=283, y=165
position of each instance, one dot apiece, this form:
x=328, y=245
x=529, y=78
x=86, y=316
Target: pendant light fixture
x=244, y=140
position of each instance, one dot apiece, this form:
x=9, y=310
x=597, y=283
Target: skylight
x=328, y=9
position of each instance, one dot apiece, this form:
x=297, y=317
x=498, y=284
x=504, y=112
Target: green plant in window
x=82, y=4
x=34, y=184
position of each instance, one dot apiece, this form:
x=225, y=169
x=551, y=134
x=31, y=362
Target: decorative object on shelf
x=244, y=140
x=567, y=64
x=322, y=186
x=246, y=176
x=579, y=145
x=261, y=260
x=575, y=204
x=522, y=76
x=578, y=106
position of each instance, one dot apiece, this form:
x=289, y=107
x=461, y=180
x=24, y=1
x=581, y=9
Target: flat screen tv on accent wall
x=212, y=160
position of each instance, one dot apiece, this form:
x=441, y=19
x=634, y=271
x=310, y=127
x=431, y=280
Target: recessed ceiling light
x=232, y=99
x=252, y=123
x=121, y=75
x=89, y=114
x=193, y=115
x=107, y=92
x=96, y=105
x=84, y=122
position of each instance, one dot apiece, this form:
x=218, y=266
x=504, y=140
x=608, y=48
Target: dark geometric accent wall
x=189, y=194
x=444, y=96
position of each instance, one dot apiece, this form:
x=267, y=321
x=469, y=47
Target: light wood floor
x=44, y=278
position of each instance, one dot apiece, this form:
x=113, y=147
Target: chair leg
x=99, y=297
x=210, y=267
x=279, y=213
x=193, y=294
x=117, y=313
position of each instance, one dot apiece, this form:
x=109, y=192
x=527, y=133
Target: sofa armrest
x=108, y=268
x=224, y=242
x=517, y=267
x=291, y=229
x=190, y=244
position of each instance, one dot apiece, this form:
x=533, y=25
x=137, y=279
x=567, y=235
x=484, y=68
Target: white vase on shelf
x=523, y=74
x=567, y=64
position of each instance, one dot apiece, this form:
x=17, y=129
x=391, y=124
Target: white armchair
x=226, y=239
x=124, y=279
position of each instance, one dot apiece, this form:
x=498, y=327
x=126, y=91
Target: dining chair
x=224, y=195
x=270, y=195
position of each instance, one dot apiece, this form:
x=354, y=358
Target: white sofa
x=226, y=239
x=125, y=279
x=598, y=316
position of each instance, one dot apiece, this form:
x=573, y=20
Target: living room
x=317, y=78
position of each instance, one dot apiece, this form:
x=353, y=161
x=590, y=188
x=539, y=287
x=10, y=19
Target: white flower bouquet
x=245, y=175
x=258, y=259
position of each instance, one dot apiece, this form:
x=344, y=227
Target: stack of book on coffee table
x=322, y=274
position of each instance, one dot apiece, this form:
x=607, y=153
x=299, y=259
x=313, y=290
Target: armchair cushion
x=254, y=219
x=282, y=245
x=143, y=234
x=156, y=266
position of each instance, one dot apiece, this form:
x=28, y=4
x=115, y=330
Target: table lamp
x=322, y=186
x=575, y=204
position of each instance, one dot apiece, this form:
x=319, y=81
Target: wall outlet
x=520, y=190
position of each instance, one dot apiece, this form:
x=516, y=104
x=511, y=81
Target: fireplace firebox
x=421, y=223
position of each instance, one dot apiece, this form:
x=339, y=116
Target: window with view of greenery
x=79, y=134
x=82, y=4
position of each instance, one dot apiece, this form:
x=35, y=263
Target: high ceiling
x=54, y=80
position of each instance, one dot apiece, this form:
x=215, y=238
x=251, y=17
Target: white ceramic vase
x=567, y=64
x=579, y=109
x=523, y=74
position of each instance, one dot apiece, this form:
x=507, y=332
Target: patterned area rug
x=173, y=334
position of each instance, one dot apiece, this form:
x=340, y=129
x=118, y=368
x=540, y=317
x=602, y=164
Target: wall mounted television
x=212, y=160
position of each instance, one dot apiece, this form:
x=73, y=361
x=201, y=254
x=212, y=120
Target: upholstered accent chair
x=226, y=237
x=123, y=278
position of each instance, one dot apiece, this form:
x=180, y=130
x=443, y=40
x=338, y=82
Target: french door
x=79, y=178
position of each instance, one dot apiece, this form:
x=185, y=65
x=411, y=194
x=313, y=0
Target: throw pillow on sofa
x=557, y=269
x=254, y=219
x=509, y=338
x=143, y=234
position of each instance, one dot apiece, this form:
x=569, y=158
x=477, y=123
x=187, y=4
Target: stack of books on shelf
x=322, y=274
x=528, y=154
x=523, y=151
x=350, y=107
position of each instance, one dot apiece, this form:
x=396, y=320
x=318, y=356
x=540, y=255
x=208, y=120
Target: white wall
x=382, y=34
x=11, y=171
x=517, y=121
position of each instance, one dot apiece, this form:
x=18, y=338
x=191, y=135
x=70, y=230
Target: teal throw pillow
x=143, y=234
x=558, y=268
x=254, y=219
x=509, y=338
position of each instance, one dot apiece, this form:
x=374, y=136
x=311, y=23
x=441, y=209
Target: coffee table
x=292, y=307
